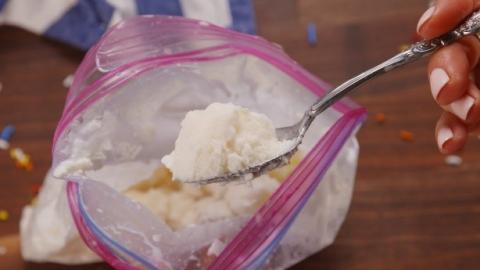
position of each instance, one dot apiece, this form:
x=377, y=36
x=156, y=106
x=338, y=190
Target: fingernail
x=438, y=79
x=425, y=17
x=462, y=107
x=444, y=134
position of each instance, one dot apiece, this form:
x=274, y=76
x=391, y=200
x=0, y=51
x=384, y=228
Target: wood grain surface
x=409, y=211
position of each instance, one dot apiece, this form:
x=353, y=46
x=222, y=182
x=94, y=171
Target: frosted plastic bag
x=125, y=105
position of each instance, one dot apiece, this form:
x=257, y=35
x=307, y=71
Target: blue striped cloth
x=82, y=22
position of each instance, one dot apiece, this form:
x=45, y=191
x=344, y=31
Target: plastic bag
x=125, y=105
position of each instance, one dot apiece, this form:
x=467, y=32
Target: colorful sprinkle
x=3, y=215
x=406, y=135
x=7, y=132
x=4, y=145
x=36, y=188
x=453, y=160
x=312, y=34
x=380, y=118
x=21, y=159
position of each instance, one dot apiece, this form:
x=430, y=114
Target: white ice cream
x=222, y=138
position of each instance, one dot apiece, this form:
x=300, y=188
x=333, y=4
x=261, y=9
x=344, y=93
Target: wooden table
x=409, y=210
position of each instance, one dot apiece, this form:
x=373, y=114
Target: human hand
x=454, y=73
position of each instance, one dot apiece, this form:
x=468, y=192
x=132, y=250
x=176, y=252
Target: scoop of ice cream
x=221, y=139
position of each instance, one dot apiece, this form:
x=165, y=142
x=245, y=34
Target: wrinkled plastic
x=139, y=81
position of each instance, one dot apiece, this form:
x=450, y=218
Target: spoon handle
x=414, y=52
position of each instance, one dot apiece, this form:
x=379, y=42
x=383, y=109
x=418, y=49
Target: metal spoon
x=297, y=131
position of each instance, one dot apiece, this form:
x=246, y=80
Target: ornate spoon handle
x=414, y=52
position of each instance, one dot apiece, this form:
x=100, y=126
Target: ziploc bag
x=125, y=105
